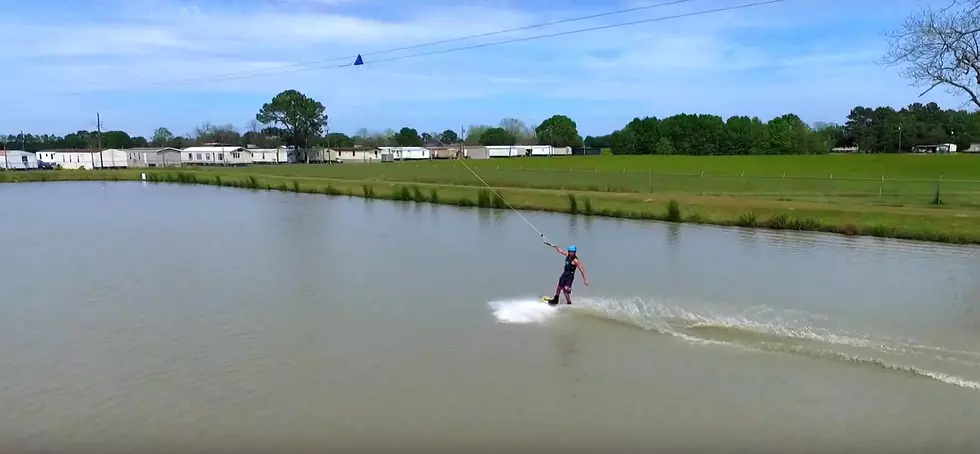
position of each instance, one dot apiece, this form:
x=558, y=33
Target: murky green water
x=136, y=315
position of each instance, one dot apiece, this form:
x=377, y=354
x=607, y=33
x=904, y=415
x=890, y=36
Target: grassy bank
x=929, y=223
x=897, y=180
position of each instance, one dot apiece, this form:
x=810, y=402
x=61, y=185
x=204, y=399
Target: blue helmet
x=571, y=248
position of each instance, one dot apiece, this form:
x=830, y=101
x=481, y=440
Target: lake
x=140, y=315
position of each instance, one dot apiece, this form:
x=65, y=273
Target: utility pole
x=326, y=127
x=900, y=139
x=462, y=142
x=98, y=135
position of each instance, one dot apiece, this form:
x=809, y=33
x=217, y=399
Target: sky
x=143, y=64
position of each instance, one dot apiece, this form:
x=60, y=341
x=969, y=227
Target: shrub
x=673, y=211
x=572, y=204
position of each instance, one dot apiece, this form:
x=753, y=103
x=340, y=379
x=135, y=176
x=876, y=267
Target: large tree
x=408, y=137
x=211, y=133
x=518, y=129
x=474, y=132
x=559, y=131
x=449, y=137
x=300, y=119
x=497, y=136
x=940, y=47
x=162, y=137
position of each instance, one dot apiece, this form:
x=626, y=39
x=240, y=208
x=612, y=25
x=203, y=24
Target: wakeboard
x=548, y=300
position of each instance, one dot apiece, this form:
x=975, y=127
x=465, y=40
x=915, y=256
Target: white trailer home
x=111, y=158
x=69, y=158
x=407, y=153
x=310, y=155
x=355, y=154
x=269, y=155
x=508, y=151
x=153, y=157
x=513, y=151
x=215, y=155
x=561, y=151
x=475, y=152
x=17, y=160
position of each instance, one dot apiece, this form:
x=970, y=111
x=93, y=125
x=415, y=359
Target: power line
x=509, y=41
x=434, y=43
x=255, y=73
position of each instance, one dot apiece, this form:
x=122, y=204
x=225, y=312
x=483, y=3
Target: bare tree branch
x=940, y=48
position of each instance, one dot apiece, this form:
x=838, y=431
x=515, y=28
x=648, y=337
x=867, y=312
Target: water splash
x=525, y=310
x=763, y=329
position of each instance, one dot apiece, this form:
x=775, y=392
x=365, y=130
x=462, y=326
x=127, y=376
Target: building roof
x=218, y=149
x=150, y=149
x=70, y=150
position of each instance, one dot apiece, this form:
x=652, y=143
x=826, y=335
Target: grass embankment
x=792, y=192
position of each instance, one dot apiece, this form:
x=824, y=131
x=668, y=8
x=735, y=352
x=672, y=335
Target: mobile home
x=215, y=155
x=17, y=160
x=70, y=158
x=111, y=158
x=356, y=154
x=505, y=151
x=475, y=152
x=512, y=151
x=311, y=155
x=407, y=153
x=444, y=152
x=153, y=157
x=269, y=155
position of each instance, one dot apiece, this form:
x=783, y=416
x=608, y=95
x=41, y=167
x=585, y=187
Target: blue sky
x=143, y=64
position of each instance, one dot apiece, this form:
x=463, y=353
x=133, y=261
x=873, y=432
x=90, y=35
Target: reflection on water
x=673, y=233
x=748, y=237
x=567, y=345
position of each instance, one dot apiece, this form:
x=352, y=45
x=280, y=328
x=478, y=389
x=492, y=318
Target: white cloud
x=728, y=62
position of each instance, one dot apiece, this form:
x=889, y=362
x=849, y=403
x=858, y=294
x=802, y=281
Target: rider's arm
x=581, y=269
x=560, y=250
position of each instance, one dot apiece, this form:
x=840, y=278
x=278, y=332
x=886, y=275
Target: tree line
x=869, y=130
x=294, y=119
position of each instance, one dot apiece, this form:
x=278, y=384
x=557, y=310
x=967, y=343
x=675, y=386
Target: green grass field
x=906, y=166
x=905, y=180
x=924, y=167
x=746, y=191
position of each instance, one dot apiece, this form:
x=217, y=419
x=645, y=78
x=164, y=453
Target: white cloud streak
x=723, y=63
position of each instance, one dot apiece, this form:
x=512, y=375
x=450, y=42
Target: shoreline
x=730, y=211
